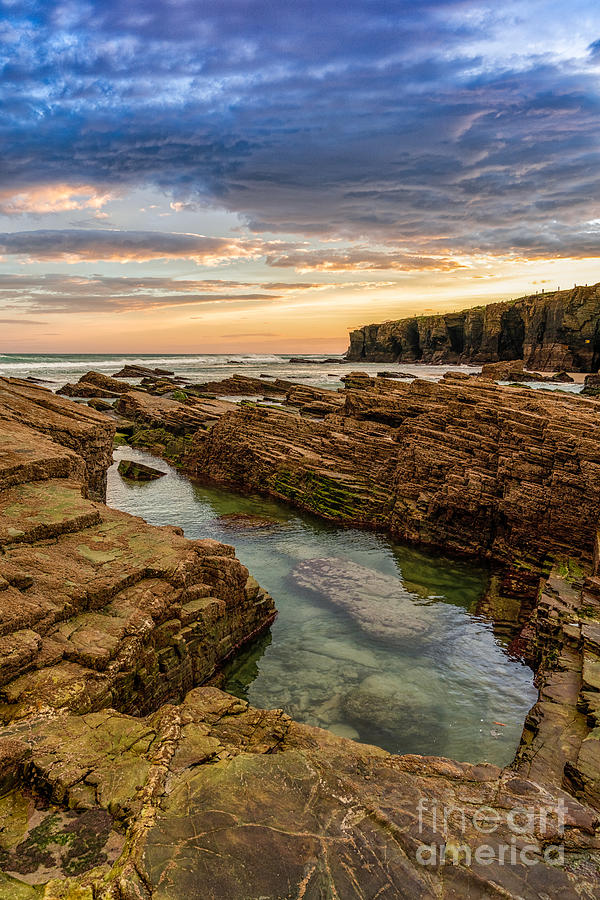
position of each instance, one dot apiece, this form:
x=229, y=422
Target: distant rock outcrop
x=551, y=332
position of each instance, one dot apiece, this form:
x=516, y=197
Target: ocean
x=57, y=369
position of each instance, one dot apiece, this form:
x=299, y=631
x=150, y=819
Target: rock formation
x=95, y=384
x=116, y=784
x=137, y=471
x=551, y=332
x=504, y=472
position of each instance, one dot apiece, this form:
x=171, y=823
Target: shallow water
x=436, y=680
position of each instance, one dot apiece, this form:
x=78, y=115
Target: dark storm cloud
x=373, y=120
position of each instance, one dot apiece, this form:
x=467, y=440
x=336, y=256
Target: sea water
x=453, y=690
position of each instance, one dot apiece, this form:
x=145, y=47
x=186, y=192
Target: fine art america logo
x=524, y=835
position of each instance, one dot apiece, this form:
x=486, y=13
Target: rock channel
x=122, y=780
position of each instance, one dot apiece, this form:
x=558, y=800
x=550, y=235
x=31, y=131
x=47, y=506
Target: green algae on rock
x=136, y=471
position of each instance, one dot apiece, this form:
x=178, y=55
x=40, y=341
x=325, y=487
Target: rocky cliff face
x=551, y=332
x=97, y=608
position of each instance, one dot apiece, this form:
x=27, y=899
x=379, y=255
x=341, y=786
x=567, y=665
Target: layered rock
x=551, y=332
x=37, y=426
x=242, y=385
x=502, y=472
x=95, y=384
x=116, y=786
x=514, y=371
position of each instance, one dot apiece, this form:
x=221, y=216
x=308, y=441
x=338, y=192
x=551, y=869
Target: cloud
x=73, y=245
x=21, y=322
x=359, y=260
x=426, y=124
x=52, y=198
x=104, y=294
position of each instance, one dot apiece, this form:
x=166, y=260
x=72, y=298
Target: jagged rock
x=551, y=332
x=240, y=385
x=100, y=405
x=502, y=472
x=591, y=386
x=356, y=380
x=137, y=471
x=513, y=371
x=99, y=608
x=42, y=426
x=134, y=371
x=94, y=384
x=313, y=401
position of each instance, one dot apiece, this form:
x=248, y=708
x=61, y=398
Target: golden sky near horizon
x=192, y=177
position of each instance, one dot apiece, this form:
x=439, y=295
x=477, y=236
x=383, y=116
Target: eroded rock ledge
x=506, y=473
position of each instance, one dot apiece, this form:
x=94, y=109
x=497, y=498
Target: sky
x=265, y=175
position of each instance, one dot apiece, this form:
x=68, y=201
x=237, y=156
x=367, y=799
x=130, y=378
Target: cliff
x=551, y=332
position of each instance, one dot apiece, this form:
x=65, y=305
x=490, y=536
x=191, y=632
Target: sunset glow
x=207, y=177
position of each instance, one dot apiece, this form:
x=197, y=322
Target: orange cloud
x=52, y=198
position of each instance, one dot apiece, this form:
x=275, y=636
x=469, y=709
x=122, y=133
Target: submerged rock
x=382, y=705
x=246, y=521
x=137, y=471
x=379, y=604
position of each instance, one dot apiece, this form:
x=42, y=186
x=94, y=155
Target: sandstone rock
x=513, y=371
x=502, y=472
x=138, y=471
x=135, y=371
x=216, y=799
x=99, y=608
x=43, y=430
x=94, y=384
x=118, y=784
x=551, y=332
x=240, y=385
